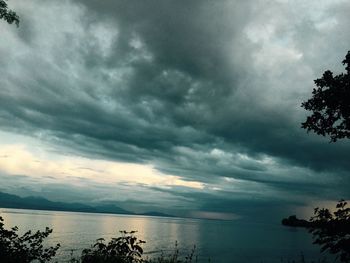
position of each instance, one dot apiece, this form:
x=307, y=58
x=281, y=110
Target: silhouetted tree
x=8, y=15
x=332, y=230
x=330, y=104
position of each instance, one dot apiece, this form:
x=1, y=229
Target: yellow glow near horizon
x=17, y=159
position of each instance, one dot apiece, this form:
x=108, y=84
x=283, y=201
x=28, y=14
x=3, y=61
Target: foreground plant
x=124, y=249
x=332, y=230
x=7, y=14
x=127, y=249
x=330, y=105
x=26, y=248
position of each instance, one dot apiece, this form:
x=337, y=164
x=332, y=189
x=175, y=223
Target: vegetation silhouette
x=330, y=104
x=127, y=249
x=7, y=14
x=26, y=248
x=332, y=230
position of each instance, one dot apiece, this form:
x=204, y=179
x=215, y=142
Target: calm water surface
x=222, y=241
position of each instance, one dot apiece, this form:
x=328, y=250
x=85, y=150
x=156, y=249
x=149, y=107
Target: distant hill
x=13, y=201
x=39, y=203
x=156, y=214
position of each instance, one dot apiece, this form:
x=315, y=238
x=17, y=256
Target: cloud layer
x=206, y=92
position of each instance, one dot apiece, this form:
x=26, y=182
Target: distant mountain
x=39, y=203
x=111, y=209
x=156, y=214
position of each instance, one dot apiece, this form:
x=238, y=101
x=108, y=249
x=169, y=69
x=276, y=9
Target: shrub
x=124, y=249
x=25, y=248
x=127, y=249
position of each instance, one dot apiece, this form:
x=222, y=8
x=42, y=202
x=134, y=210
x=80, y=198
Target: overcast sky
x=186, y=107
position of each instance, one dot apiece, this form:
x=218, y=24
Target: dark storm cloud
x=192, y=87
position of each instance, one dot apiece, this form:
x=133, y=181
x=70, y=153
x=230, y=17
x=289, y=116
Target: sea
x=214, y=240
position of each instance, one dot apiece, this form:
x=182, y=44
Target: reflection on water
x=220, y=240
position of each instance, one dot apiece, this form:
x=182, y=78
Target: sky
x=185, y=107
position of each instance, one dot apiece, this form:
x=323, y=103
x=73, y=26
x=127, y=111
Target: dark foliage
x=8, y=15
x=25, y=248
x=330, y=104
x=332, y=230
x=128, y=249
x=124, y=249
